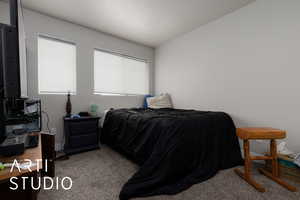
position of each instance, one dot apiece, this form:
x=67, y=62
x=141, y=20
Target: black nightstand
x=81, y=134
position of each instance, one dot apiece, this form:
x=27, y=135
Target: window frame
x=55, y=39
x=146, y=61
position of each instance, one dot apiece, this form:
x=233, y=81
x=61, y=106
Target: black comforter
x=174, y=148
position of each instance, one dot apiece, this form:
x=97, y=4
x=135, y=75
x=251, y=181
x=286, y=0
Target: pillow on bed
x=161, y=101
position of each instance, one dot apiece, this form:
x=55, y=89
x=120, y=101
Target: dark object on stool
x=81, y=134
x=247, y=134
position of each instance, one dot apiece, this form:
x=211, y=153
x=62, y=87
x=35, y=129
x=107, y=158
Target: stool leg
x=247, y=159
x=247, y=174
x=273, y=152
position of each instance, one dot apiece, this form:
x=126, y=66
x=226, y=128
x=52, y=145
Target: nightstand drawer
x=84, y=140
x=83, y=127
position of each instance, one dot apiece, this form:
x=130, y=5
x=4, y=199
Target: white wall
x=246, y=64
x=86, y=41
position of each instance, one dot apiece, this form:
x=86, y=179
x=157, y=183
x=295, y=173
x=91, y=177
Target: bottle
x=69, y=106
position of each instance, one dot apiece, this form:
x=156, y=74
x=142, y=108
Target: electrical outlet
x=53, y=131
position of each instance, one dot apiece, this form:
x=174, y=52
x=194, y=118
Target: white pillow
x=161, y=101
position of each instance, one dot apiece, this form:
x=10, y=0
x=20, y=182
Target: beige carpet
x=100, y=174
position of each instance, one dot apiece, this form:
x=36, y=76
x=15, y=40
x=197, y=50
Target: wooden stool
x=247, y=134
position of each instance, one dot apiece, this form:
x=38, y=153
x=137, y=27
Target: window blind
x=116, y=74
x=56, y=66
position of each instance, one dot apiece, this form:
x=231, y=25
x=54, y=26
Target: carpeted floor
x=100, y=174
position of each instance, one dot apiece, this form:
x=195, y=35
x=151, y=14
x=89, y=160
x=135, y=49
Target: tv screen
x=10, y=67
x=13, y=74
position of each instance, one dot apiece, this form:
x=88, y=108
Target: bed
x=174, y=148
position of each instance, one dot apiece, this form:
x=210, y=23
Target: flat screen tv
x=11, y=70
x=9, y=62
x=9, y=56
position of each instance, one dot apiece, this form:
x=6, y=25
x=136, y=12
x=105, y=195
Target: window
x=117, y=74
x=56, y=66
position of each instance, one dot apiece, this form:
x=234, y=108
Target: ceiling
x=149, y=22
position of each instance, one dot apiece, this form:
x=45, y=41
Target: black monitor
x=9, y=56
x=10, y=88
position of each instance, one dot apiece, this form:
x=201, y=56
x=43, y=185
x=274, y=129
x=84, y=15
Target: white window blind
x=116, y=74
x=56, y=66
